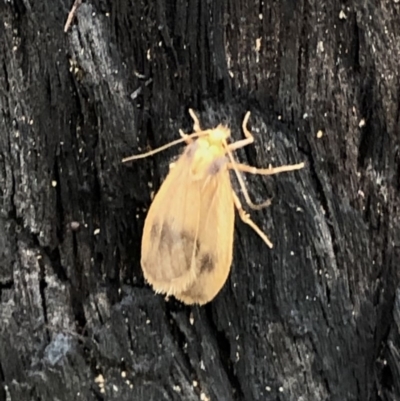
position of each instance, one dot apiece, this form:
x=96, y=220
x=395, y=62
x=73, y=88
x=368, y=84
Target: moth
x=188, y=233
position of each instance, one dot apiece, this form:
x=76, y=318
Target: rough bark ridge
x=317, y=317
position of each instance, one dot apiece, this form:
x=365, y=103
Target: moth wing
x=215, y=238
x=170, y=232
x=188, y=234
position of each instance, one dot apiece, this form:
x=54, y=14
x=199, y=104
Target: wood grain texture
x=317, y=317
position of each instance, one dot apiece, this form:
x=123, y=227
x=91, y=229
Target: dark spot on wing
x=206, y=263
x=164, y=232
x=190, y=246
x=168, y=236
x=172, y=241
x=154, y=232
x=216, y=166
x=184, y=241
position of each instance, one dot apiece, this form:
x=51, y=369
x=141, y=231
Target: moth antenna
x=168, y=145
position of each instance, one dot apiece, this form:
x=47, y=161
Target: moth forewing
x=166, y=246
x=215, y=240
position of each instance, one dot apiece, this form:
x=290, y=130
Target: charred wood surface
x=315, y=318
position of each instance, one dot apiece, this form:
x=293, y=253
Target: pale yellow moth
x=188, y=232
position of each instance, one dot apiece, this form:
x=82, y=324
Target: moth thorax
x=219, y=135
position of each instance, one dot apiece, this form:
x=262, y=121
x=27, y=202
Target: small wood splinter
x=71, y=14
x=188, y=234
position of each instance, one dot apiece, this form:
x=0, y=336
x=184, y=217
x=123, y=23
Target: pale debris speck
x=267, y=388
x=342, y=15
x=195, y=383
x=258, y=44
x=99, y=379
x=176, y=388
x=362, y=121
x=191, y=319
x=320, y=134
x=203, y=397
x=123, y=374
x=96, y=231
x=280, y=389
x=54, y=183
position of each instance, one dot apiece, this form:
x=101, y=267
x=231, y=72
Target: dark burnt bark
x=315, y=318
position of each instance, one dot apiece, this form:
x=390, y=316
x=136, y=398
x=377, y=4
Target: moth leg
x=249, y=136
x=265, y=171
x=246, y=131
x=247, y=220
x=253, y=170
x=232, y=165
